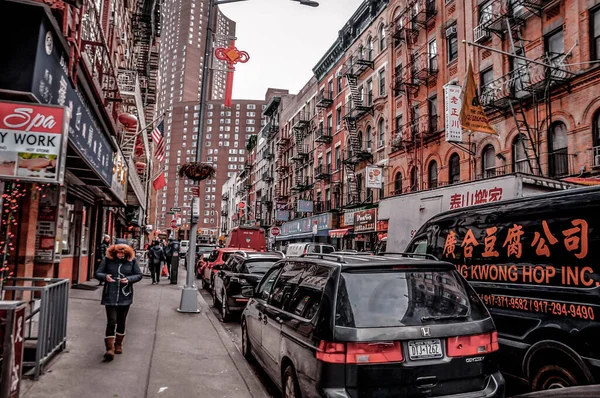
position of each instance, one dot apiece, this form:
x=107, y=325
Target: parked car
x=184, y=247
x=299, y=249
x=592, y=391
x=364, y=326
x=219, y=256
x=247, y=238
x=236, y=279
x=534, y=262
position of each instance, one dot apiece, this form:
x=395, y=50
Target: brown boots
x=109, y=342
x=119, y=343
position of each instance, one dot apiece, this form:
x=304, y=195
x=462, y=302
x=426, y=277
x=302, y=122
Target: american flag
x=158, y=136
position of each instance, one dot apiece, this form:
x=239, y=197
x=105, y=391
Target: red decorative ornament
x=231, y=55
x=128, y=120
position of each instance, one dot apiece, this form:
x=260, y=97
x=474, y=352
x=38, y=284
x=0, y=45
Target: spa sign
x=32, y=142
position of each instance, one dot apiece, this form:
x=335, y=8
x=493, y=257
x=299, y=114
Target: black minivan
x=371, y=326
x=535, y=263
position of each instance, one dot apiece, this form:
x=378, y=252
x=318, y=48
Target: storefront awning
x=583, y=180
x=339, y=233
x=296, y=236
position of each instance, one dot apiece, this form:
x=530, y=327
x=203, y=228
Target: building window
x=432, y=56
x=485, y=79
x=368, y=138
x=359, y=137
x=381, y=37
x=339, y=84
x=452, y=42
x=454, y=169
x=520, y=162
x=433, y=114
x=398, y=183
x=488, y=161
x=382, y=82
x=338, y=158
x=555, y=44
x=381, y=131
x=370, y=49
x=558, y=154
x=596, y=34
x=414, y=179
x=338, y=117
x=432, y=174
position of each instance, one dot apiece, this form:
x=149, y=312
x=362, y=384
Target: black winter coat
x=156, y=255
x=117, y=293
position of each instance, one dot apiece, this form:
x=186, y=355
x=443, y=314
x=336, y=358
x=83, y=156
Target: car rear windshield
x=399, y=298
x=258, y=267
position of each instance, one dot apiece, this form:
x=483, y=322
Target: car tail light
x=464, y=346
x=331, y=352
x=374, y=352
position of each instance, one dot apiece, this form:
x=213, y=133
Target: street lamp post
x=189, y=294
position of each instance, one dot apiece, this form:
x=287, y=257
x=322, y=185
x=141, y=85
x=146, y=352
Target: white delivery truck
x=408, y=212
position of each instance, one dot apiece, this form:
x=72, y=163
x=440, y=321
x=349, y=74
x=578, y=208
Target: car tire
x=225, y=315
x=215, y=299
x=246, y=345
x=550, y=377
x=291, y=388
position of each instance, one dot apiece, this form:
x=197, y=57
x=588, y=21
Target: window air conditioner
x=451, y=31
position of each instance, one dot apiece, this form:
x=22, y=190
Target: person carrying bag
x=156, y=256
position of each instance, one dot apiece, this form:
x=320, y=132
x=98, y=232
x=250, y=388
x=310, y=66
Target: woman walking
x=120, y=271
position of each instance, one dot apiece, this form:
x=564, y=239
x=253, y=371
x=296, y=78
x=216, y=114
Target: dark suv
x=236, y=279
x=371, y=326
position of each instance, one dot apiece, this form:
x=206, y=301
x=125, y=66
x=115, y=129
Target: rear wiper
x=443, y=317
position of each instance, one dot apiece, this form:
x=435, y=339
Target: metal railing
x=46, y=322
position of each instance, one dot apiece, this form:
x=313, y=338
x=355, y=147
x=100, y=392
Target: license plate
x=424, y=349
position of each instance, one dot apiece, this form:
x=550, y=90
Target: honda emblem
x=426, y=332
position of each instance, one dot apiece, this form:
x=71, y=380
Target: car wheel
x=246, y=348
x=224, y=309
x=291, y=388
x=215, y=299
x=551, y=377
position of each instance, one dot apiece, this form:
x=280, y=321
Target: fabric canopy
x=339, y=233
x=583, y=180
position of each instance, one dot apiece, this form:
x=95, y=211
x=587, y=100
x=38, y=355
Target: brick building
x=181, y=63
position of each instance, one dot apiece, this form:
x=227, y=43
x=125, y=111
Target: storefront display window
x=68, y=230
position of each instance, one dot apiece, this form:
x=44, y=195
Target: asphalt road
x=234, y=330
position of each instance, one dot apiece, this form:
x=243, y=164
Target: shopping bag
x=164, y=271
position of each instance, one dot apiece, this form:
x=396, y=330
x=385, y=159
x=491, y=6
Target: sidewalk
x=166, y=353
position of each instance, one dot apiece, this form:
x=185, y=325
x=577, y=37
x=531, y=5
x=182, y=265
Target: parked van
x=299, y=249
x=184, y=247
x=535, y=262
x=247, y=238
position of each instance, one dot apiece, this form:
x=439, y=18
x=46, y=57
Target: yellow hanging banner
x=472, y=115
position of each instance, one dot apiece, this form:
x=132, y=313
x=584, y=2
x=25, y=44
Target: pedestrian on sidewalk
x=102, y=253
x=120, y=271
x=156, y=256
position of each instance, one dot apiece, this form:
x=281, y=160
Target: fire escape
x=301, y=129
x=281, y=166
x=360, y=105
x=419, y=69
x=530, y=82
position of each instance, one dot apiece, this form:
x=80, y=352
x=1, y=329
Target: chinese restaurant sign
x=365, y=221
x=305, y=206
x=32, y=142
x=306, y=224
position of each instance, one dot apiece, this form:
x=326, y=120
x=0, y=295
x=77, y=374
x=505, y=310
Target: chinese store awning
x=583, y=180
x=338, y=233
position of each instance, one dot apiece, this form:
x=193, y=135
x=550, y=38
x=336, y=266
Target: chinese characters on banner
x=453, y=105
x=472, y=114
x=374, y=177
x=476, y=197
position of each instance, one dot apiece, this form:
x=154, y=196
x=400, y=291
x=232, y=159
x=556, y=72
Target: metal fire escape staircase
x=356, y=110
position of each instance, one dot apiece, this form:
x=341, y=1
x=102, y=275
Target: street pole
x=189, y=294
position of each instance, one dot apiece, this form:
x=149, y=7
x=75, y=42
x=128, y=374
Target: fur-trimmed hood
x=111, y=252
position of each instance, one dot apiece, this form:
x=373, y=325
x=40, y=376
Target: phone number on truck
x=541, y=306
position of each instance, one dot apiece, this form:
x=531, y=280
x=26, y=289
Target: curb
x=255, y=388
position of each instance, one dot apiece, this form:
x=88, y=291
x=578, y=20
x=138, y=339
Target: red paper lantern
x=140, y=165
x=129, y=121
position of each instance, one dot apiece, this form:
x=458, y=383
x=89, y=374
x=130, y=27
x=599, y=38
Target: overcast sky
x=285, y=41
